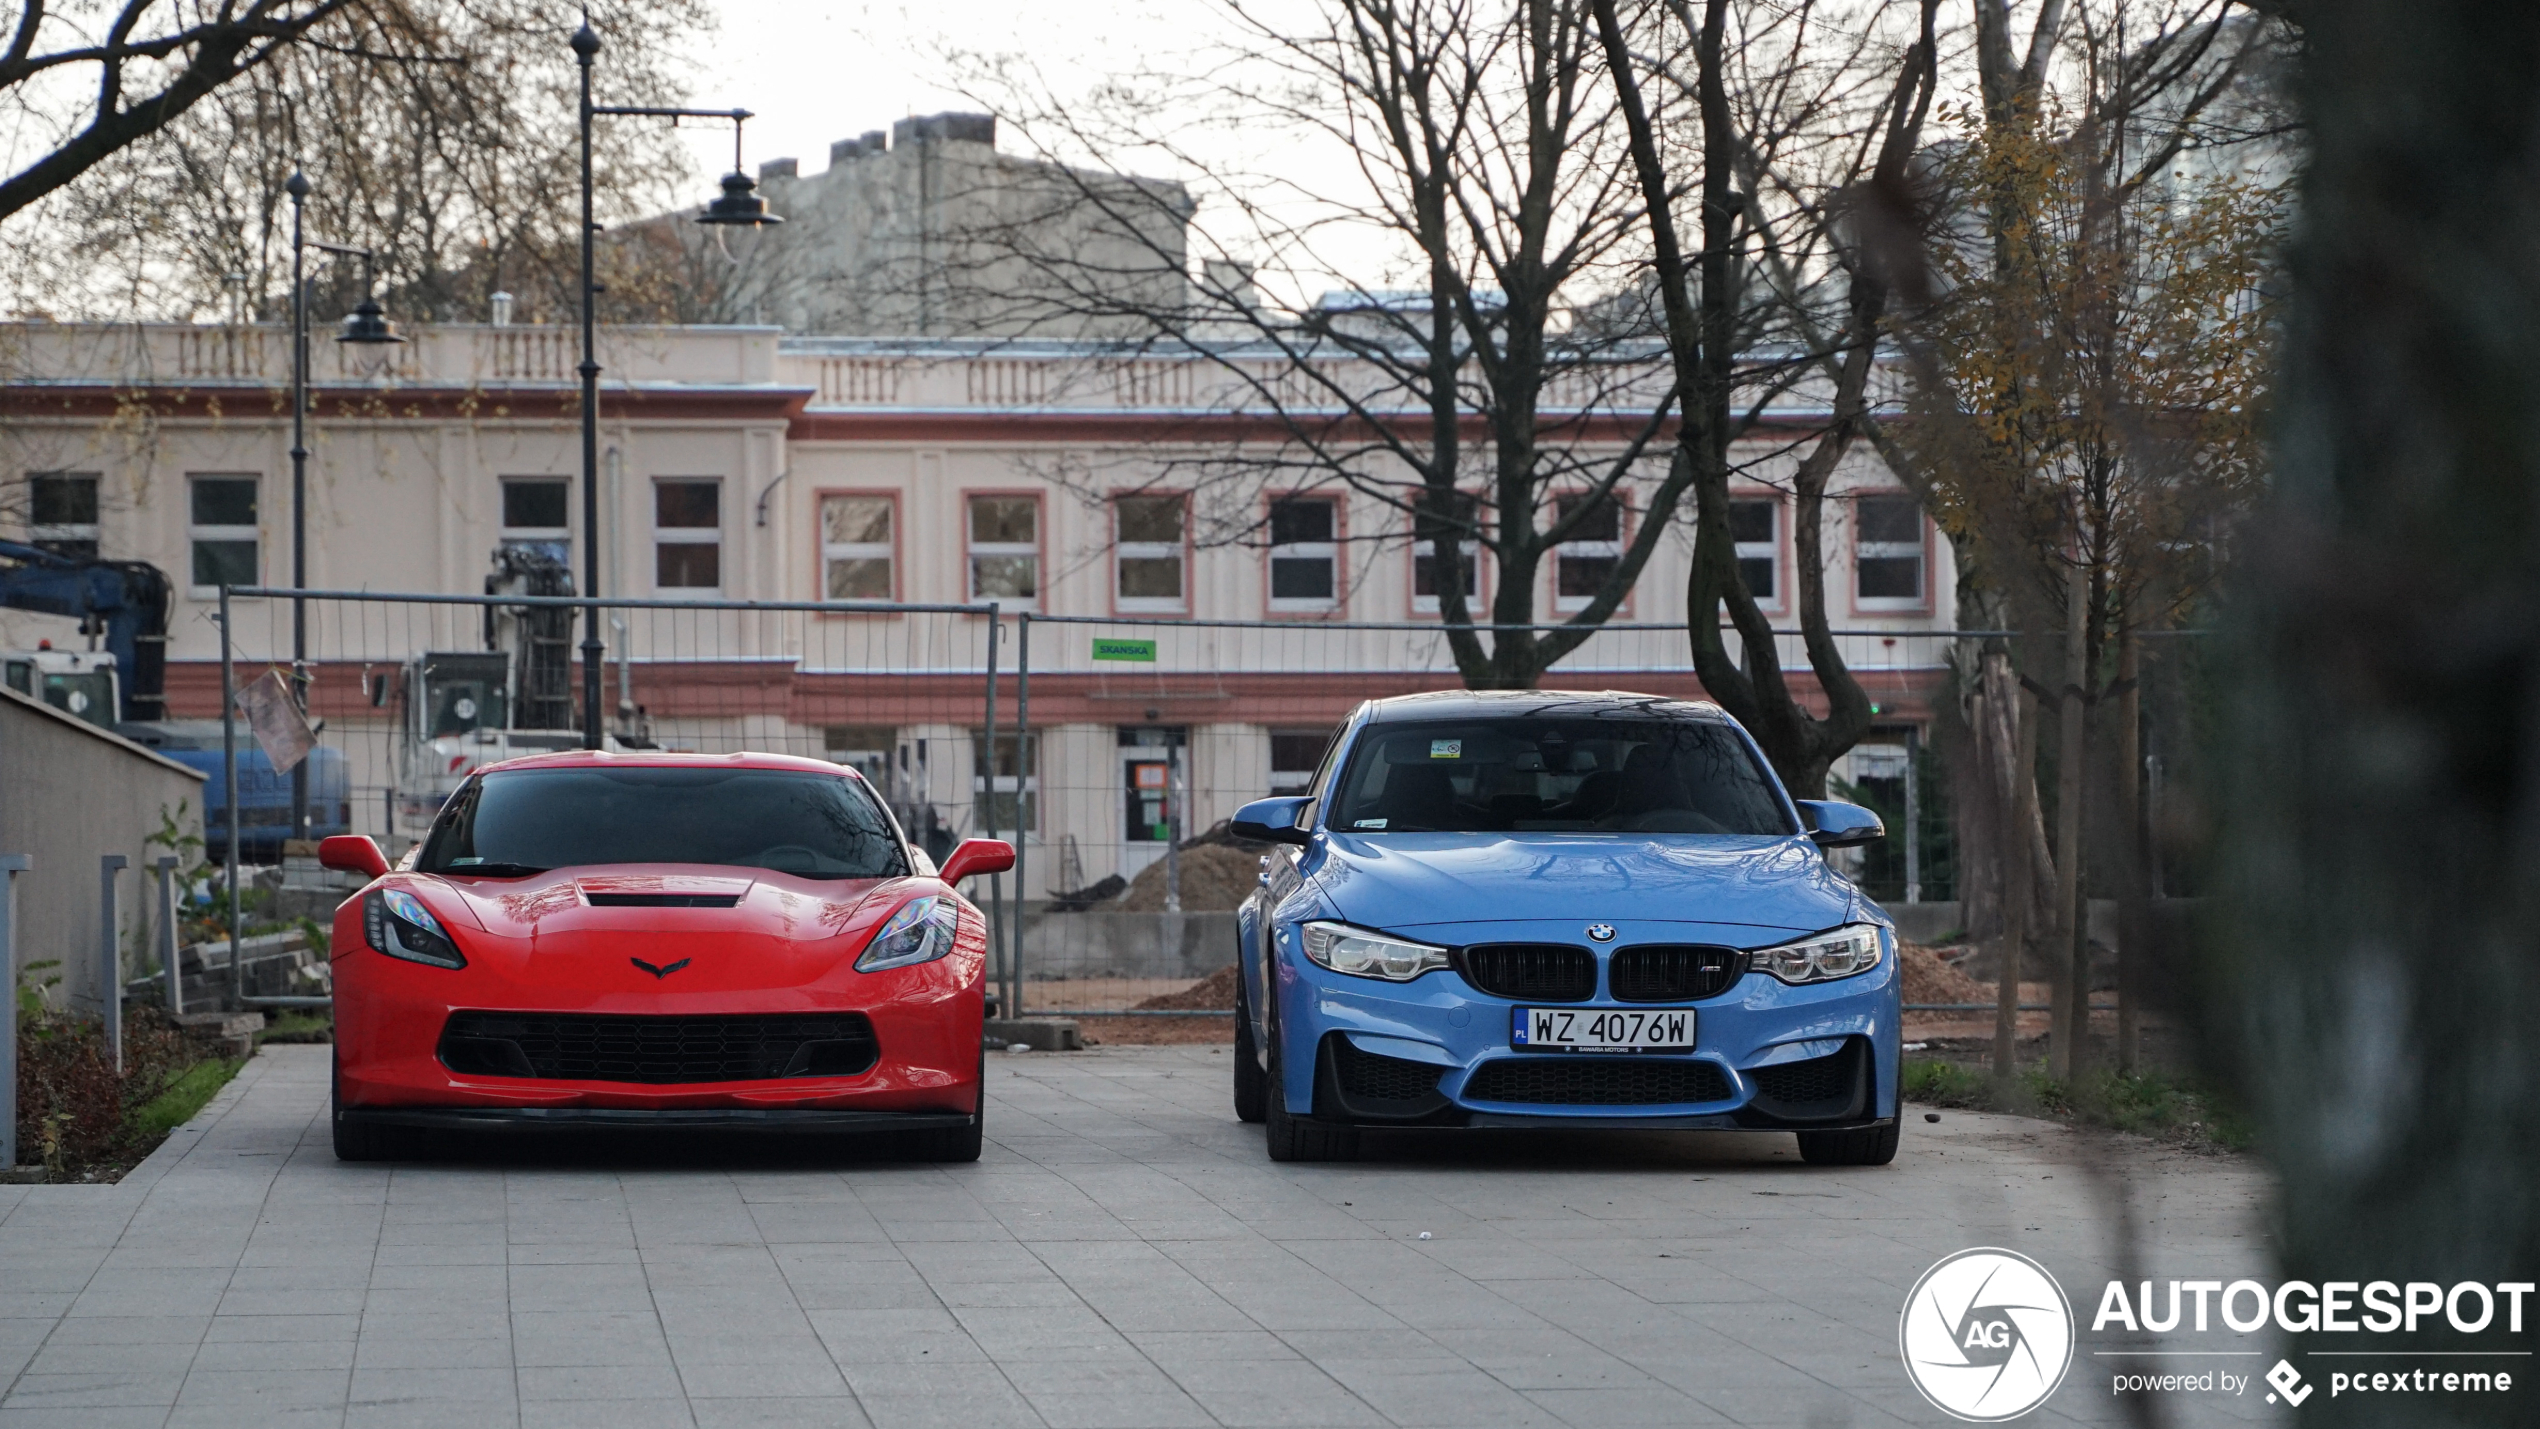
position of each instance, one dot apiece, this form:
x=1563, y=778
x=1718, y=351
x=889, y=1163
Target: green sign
x=1124, y=649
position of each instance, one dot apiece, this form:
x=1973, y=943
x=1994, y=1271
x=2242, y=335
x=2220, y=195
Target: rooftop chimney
x=959, y=128
x=776, y=169
x=871, y=141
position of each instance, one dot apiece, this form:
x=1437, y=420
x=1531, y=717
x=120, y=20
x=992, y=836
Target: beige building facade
x=740, y=464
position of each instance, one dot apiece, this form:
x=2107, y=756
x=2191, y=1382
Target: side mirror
x=352, y=853
x=1839, y=825
x=977, y=856
x=1272, y=821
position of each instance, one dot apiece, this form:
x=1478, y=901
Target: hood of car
x=1403, y=882
x=595, y=910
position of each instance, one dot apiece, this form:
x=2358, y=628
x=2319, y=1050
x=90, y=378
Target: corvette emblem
x=663, y=972
x=1602, y=932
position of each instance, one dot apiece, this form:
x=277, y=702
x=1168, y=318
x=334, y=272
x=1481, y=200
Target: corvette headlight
x=1359, y=953
x=920, y=932
x=395, y=922
x=1844, y=952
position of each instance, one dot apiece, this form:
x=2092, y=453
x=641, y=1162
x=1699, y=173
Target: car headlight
x=1359, y=953
x=1844, y=952
x=920, y=932
x=395, y=922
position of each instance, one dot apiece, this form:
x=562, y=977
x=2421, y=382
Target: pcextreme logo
x=1986, y=1335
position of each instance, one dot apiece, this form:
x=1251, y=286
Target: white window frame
x=37, y=535
x=886, y=551
x=253, y=534
x=511, y=535
x=1598, y=549
x=973, y=548
x=689, y=536
x=1328, y=552
x=1766, y=550
x=1918, y=549
x=1176, y=551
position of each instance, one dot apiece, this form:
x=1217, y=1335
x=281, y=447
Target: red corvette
x=633, y=940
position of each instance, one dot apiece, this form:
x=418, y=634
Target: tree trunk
x=2019, y=709
x=2134, y=863
x=2378, y=953
x=2071, y=956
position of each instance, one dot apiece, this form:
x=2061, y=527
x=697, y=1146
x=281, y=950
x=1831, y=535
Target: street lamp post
x=368, y=326
x=739, y=206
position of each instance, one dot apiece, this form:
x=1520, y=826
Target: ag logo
x=1986, y=1335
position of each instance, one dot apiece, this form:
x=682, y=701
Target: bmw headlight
x=920, y=932
x=395, y=922
x=1359, y=953
x=1845, y=952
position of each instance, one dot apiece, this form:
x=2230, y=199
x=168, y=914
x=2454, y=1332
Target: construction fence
x=1111, y=750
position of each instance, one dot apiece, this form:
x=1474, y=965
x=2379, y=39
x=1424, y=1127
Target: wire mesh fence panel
x=1137, y=739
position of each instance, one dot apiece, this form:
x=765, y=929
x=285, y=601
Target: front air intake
x=662, y=900
x=1530, y=972
x=1671, y=972
x=583, y=1047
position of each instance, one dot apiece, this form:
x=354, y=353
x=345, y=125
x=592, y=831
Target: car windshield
x=1620, y=774
x=810, y=825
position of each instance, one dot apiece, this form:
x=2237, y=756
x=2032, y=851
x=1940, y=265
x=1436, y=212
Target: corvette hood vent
x=661, y=900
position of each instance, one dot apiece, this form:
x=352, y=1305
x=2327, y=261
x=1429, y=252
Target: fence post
x=1027, y=767
x=229, y=786
x=11, y=865
x=1913, y=816
x=110, y=949
x=987, y=804
x=168, y=962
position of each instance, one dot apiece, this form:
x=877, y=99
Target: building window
x=1583, y=564
x=61, y=513
x=1755, y=524
x=535, y=513
x=1888, y=550
x=1005, y=549
x=1424, y=572
x=1011, y=804
x=1147, y=551
x=856, y=548
x=1294, y=755
x=688, y=534
x=221, y=515
x=1305, y=560
x=865, y=748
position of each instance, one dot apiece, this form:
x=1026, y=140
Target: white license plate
x=1602, y=1029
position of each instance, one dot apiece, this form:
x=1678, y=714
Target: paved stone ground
x=1125, y=1255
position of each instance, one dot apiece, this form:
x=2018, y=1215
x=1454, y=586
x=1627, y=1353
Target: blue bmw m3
x=1547, y=909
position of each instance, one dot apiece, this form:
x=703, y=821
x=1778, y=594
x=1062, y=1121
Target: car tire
x=1869, y=1146
x=1252, y=1085
x=1300, y=1138
x=956, y=1144
x=361, y=1140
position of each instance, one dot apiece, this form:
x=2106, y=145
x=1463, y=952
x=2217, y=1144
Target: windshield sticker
x=1446, y=749
x=1369, y=824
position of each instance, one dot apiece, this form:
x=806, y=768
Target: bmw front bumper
x=1437, y=1051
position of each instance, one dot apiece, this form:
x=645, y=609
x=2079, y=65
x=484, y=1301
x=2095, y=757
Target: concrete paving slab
x=1123, y=1254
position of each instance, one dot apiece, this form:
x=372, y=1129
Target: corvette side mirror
x=1272, y=821
x=352, y=853
x=1839, y=825
x=977, y=856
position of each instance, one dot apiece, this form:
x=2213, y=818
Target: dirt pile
x=1213, y=991
x=1928, y=978
x=1216, y=878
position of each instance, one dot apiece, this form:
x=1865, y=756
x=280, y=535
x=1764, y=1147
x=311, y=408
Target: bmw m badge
x=1602, y=932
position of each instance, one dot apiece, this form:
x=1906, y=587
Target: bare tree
x=1474, y=389
x=439, y=132
x=1769, y=185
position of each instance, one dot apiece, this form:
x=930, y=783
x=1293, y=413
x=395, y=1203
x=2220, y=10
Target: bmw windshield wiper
x=487, y=870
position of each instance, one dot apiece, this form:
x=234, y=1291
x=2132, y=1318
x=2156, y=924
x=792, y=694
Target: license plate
x=1602, y=1029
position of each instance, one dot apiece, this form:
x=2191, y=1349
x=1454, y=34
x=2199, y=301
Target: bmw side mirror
x=352, y=853
x=1838, y=825
x=977, y=856
x=1272, y=821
